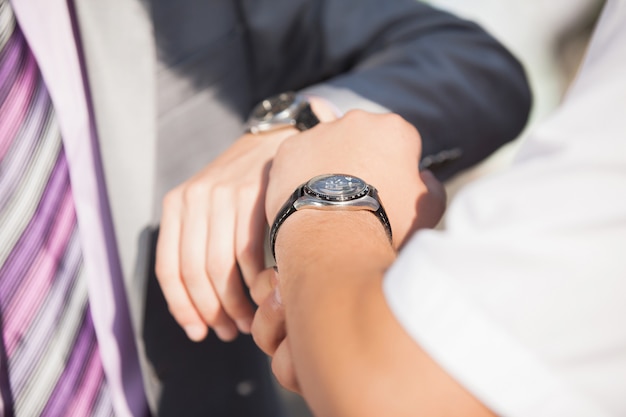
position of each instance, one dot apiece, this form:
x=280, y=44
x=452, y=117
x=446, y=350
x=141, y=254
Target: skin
x=323, y=316
x=211, y=236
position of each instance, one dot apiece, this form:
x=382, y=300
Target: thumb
x=430, y=205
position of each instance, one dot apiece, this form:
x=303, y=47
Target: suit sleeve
x=463, y=91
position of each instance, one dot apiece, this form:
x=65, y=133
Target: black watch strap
x=381, y=213
x=306, y=119
x=285, y=211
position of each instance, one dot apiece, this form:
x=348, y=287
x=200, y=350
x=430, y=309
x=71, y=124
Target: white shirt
x=47, y=27
x=522, y=299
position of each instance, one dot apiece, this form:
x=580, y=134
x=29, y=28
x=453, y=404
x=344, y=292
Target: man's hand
x=269, y=328
x=212, y=235
x=384, y=150
x=325, y=319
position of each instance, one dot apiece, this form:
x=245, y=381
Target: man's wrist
x=310, y=235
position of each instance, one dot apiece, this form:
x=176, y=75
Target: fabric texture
x=53, y=362
x=521, y=297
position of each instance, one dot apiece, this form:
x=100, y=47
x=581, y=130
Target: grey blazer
x=171, y=83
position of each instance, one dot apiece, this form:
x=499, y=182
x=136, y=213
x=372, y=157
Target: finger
x=268, y=327
x=193, y=252
x=168, y=272
x=220, y=259
x=250, y=237
x=263, y=285
x=283, y=369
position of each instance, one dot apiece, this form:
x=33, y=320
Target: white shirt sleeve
x=522, y=298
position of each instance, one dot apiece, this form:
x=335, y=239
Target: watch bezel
x=362, y=188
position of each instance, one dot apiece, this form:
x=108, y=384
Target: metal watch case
x=331, y=192
x=287, y=109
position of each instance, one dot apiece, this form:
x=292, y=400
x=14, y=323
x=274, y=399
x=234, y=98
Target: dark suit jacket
x=172, y=82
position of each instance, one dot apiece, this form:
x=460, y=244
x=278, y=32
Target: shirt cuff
x=343, y=99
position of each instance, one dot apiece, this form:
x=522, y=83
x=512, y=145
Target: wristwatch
x=280, y=111
x=331, y=192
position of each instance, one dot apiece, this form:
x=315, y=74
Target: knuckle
x=395, y=121
x=399, y=123
x=355, y=114
x=171, y=200
x=221, y=191
x=393, y=118
x=164, y=270
x=194, y=191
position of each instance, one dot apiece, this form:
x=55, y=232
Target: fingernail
x=244, y=325
x=196, y=332
x=226, y=333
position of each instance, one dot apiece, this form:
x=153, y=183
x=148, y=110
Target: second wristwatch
x=287, y=109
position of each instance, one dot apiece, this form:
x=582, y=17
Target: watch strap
x=381, y=213
x=306, y=119
x=285, y=211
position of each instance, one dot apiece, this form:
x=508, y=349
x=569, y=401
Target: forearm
x=351, y=356
x=446, y=76
x=327, y=285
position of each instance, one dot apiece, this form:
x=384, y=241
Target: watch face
x=336, y=187
x=270, y=107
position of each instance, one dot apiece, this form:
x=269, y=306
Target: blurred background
x=549, y=38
